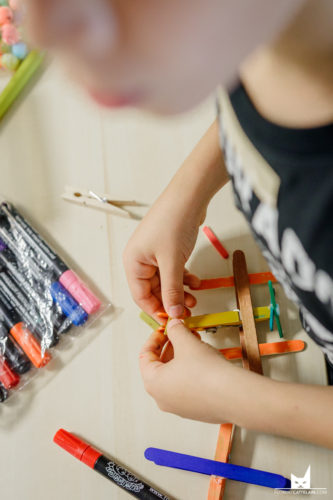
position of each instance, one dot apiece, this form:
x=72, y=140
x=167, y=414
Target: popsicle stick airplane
x=245, y=318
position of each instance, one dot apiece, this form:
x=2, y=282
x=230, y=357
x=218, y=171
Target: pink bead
x=10, y=34
x=14, y=4
x=6, y=15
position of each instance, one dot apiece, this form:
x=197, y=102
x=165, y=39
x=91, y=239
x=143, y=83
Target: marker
x=24, y=278
x=108, y=468
x=20, y=275
x=215, y=468
x=3, y=394
x=8, y=378
x=13, y=353
x=22, y=335
x=42, y=291
x=41, y=325
x=61, y=272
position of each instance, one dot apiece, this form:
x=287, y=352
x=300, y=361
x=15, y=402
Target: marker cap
x=30, y=345
x=8, y=378
x=76, y=447
x=68, y=305
x=80, y=292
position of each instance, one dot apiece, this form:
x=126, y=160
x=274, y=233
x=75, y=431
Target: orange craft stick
x=224, y=442
x=228, y=281
x=267, y=349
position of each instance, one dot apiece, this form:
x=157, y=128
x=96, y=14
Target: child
x=276, y=132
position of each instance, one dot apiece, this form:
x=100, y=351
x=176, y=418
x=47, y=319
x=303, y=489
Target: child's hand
x=156, y=255
x=187, y=377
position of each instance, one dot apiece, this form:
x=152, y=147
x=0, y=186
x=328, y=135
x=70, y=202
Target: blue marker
x=68, y=305
x=214, y=468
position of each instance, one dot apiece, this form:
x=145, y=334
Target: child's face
x=163, y=56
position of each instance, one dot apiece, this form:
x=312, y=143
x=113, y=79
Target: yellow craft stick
x=227, y=318
x=149, y=320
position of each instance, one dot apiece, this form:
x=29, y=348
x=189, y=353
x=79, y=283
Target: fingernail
x=176, y=311
x=174, y=322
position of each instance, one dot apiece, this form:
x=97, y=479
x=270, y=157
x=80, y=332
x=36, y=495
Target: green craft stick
x=276, y=316
x=20, y=79
x=149, y=320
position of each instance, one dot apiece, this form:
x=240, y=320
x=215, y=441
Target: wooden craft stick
x=244, y=302
x=266, y=349
x=226, y=318
x=249, y=350
x=215, y=242
x=224, y=442
x=228, y=281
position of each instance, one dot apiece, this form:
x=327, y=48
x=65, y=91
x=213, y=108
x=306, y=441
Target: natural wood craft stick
x=244, y=303
x=250, y=358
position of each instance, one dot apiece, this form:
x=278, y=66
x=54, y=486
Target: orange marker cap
x=30, y=345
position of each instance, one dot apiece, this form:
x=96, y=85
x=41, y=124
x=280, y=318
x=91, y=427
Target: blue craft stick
x=214, y=468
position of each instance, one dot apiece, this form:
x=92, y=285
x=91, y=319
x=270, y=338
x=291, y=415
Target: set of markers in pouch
x=44, y=304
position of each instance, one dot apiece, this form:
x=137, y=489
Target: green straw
x=20, y=79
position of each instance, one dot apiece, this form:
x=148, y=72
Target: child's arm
x=156, y=255
x=194, y=381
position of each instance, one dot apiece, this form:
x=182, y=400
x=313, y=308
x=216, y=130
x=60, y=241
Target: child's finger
x=180, y=336
x=167, y=353
x=171, y=274
x=189, y=300
x=191, y=280
x=149, y=359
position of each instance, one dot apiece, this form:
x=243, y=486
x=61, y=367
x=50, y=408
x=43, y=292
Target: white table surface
x=57, y=137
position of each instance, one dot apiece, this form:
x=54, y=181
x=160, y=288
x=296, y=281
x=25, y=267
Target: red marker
x=8, y=378
x=109, y=469
x=215, y=242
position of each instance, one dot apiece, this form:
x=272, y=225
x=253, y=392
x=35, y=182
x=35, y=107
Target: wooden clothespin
x=104, y=202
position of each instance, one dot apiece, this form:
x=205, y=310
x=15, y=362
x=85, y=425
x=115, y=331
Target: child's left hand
x=186, y=378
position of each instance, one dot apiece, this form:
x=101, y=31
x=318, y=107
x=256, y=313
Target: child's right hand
x=156, y=254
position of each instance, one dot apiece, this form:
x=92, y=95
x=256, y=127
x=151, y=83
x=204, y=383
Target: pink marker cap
x=80, y=292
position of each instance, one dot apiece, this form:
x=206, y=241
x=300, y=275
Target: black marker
x=26, y=276
x=39, y=322
x=108, y=468
x=30, y=345
x=47, y=258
